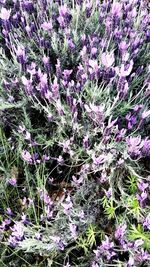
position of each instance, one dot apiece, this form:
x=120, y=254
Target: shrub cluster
x=74, y=133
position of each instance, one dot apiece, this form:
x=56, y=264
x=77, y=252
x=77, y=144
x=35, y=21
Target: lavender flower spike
x=5, y=14
x=108, y=59
x=26, y=156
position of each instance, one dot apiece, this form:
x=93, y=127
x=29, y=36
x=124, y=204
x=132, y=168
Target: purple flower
x=88, y=9
x=138, y=243
x=145, y=114
x=93, y=108
x=24, y=219
x=48, y=95
x=32, y=69
x=116, y=9
x=45, y=60
x=28, y=6
x=60, y=159
x=48, y=211
x=58, y=68
x=45, y=158
x=77, y=182
x=124, y=70
x=71, y=44
x=67, y=205
x=103, y=177
x=47, y=26
x=83, y=53
x=27, y=136
x=26, y=156
x=73, y=230
x=97, y=252
x=94, y=51
x=137, y=108
x=17, y=231
x=57, y=240
x=94, y=65
x=81, y=215
x=106, y=249
x=5, y=14
x=86, y=141
x=131, y=120
x=146, y=148
x=96, y=113
x=9, y=212
x=28, y=84
x=45, y=197
x=108, y=192
x=55, y=88
x=63, y=11
x=4, y=224
x=28, y=30
x=49, y=116
x=21, y=129
x=12, y=241
x=147, y=222
x=123, y=46
x=43, y=85
x=13, y=181
x=142, y=185
x=134, y=141
x=108, y=59
x=120, y=231
x=125, y=57
x=142, y=197
x=66, y=146
x=94, y=264
x=146, y=256
x=21, y=55
x=120, y=135
x=123, y=87
x=16, y=235
x=38, y=236
x=67, y=74
x=130, y=261
x=141, y=256
x=61, y=21
x=134, y=145
x=64, y=16
x=35, y=157
x=106, y=244
x=98, y=160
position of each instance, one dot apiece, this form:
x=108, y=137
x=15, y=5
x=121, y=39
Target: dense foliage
x=74, y=133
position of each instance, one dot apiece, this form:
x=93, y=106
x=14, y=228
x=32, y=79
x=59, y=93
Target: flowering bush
x=74, y=133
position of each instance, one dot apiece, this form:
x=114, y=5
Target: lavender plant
x=74, y=133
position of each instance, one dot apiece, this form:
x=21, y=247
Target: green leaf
x=4, y=106
x=138, y=233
